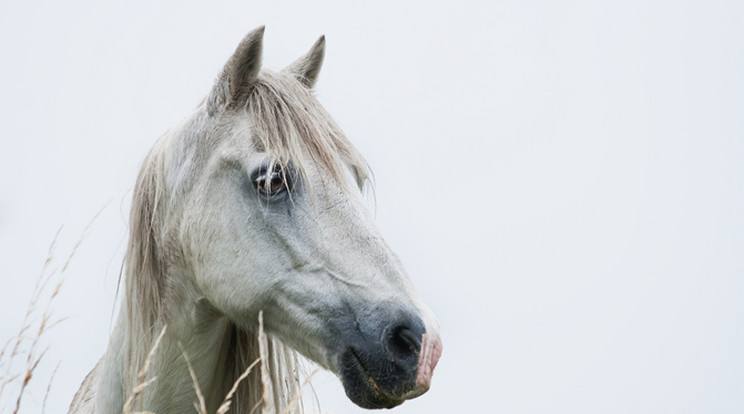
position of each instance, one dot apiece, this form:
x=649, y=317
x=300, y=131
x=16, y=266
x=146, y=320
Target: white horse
x=252, y=206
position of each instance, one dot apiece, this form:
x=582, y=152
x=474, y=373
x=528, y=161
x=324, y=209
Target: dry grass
x=225, y=406
x=21, y=354
x=201, y=404
x=297, y=398
x=141, y=382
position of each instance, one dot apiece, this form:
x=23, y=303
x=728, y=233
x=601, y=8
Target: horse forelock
x=291, y=126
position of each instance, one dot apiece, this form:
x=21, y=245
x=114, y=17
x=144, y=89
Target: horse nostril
x=403, y=343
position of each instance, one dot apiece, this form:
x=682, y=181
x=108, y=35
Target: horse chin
x=363, y=389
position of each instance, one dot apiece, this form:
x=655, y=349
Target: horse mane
x=290, y=125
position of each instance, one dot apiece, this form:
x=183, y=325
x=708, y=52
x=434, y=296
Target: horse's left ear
x=306, y=68
x=239, y=72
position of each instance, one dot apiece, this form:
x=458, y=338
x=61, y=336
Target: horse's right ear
x=239, y=72
x=306, y=68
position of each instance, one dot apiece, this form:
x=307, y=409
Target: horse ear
x=239, y=72
x=306, y=68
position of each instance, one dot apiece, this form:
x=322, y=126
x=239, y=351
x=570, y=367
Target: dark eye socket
x=271, y=183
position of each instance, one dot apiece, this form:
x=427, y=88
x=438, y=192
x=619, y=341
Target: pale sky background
x=564, y=180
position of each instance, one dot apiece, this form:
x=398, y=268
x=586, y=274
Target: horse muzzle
x=398, y=367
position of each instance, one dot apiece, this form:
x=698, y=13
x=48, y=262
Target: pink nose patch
x=431, y=350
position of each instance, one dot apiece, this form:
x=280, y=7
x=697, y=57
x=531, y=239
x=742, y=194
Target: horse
x=250, y=242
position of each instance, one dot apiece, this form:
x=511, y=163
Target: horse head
x=261, y=209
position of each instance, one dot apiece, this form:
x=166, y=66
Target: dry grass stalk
x=298, y=396
x=225, y=406
x=141, y=383
x=201, y=406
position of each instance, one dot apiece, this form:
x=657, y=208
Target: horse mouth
x=361, y=386
x=370, y=380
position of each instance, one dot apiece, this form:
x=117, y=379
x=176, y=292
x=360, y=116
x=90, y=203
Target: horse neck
x=192, y=330
x=205, y=342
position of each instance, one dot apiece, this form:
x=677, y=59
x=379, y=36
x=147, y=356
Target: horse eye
x=270, y=184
